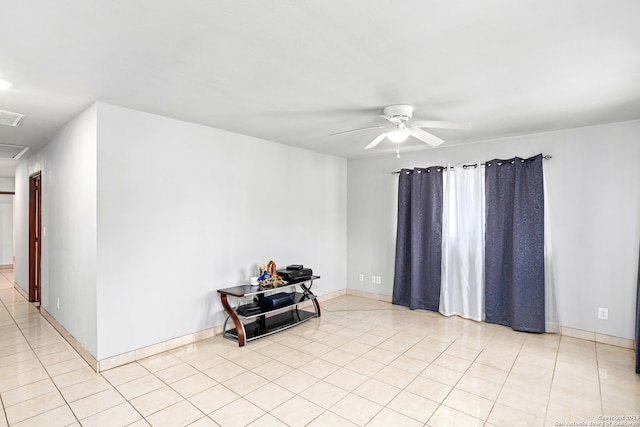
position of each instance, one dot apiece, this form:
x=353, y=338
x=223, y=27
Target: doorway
x=35, y=233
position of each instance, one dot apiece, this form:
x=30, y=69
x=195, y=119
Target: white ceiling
x=294, y=71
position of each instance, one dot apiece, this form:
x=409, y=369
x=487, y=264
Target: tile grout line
x=431, y=363
x=4, y=410
x=553, y=375
x=484, y=422
x=49, y=374
x=47, y=370
x=37, y=357
x=387, y=364
x=121, y=395
x=385, y=406
x=463, y=339
x=599, y=379
x=505, y=382
x=166, y=383
x=440, y=404
x=377, y=346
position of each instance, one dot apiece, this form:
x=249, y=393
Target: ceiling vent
x=13, y=152
x=9, y=118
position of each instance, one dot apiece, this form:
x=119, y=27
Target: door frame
x=35, y=236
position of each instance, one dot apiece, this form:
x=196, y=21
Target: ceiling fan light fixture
x=398, y=135
x=401, y=127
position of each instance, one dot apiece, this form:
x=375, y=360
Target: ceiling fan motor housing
x=400, y=112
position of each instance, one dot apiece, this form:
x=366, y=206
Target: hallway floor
x=364, y=362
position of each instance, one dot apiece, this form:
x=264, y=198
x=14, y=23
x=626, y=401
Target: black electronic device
x=277, y=300
x=295, y=267
x=295, y=275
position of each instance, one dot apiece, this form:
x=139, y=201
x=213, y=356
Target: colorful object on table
x=269, y=277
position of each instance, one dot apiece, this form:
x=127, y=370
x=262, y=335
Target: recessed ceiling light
x=4, y=85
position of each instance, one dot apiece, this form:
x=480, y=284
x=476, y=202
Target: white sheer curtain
x=462, y=287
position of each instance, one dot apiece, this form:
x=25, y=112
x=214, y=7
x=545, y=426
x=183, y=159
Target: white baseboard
x=21, y=291
x=122, y=359
x=88, y=357
x=599, y=338
x=141, y=353
x=151, y=350
x=370, y=295
x=564, y=331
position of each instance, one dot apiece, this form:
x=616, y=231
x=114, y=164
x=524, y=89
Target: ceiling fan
x=400, y=127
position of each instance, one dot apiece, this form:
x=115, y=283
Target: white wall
x=184, y=210
x=21, y=225
x=7, y=184
x=6, y=229
x=68, y=165
x=594, y=197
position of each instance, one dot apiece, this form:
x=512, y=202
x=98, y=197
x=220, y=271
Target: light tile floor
x=363, y=362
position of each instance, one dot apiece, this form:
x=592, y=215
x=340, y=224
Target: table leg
x=238, y=324
x=315, y=300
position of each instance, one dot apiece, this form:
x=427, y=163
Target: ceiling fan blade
x=443, y=125
x=426, y=137
x=376, y=141
x=356, y=130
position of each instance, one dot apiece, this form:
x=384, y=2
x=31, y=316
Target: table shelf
x=253, y=320
x=273, y=324
x=255, y=309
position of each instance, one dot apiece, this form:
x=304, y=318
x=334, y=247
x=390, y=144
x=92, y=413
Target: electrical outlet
x=373, y=279
x=378, y=280
x=58, y=303
x=362, y=277
x=603, y=313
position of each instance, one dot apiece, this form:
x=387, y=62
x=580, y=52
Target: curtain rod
x=470, y=165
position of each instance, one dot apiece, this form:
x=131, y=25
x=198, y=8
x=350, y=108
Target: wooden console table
x=252, y=320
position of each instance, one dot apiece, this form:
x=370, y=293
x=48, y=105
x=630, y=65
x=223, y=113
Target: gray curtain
x=419, y=239
x=514, y=244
